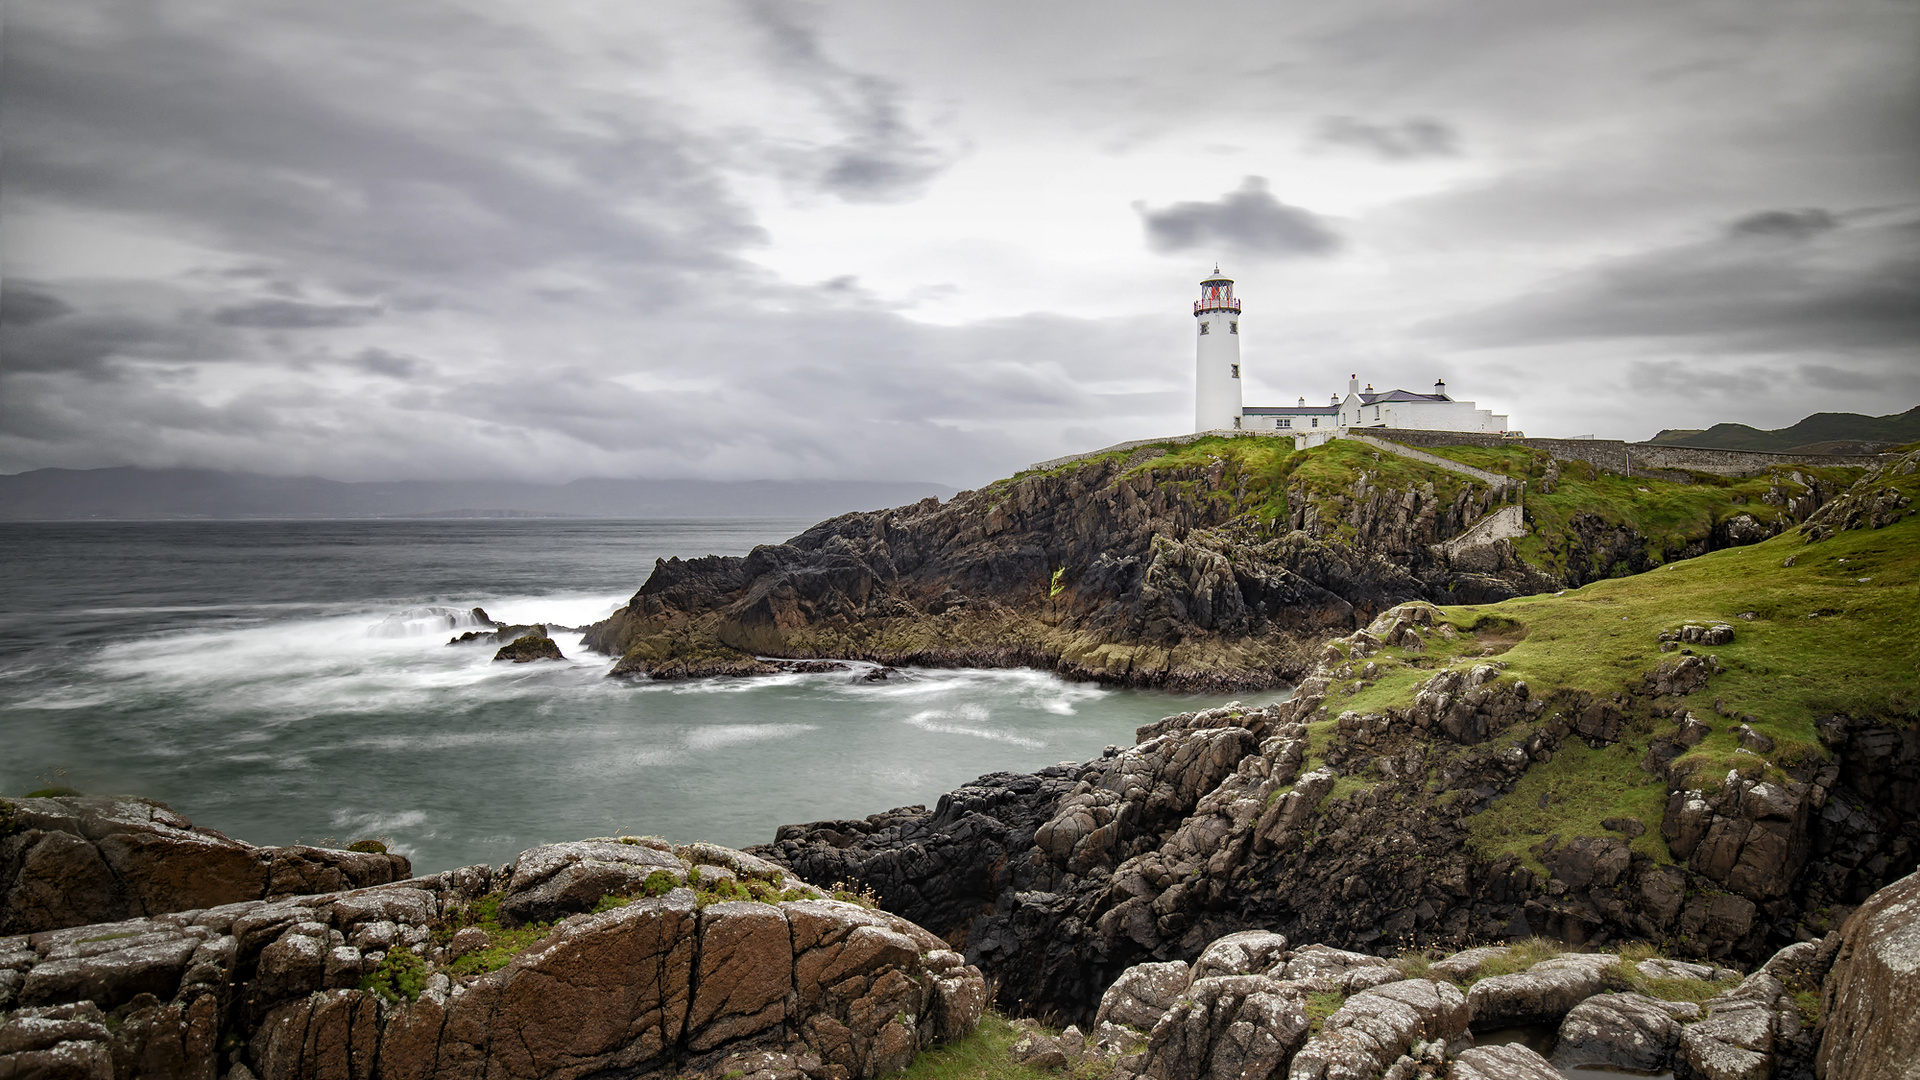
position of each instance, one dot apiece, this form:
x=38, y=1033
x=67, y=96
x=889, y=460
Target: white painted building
x=1216, y=355
x=1217, y=399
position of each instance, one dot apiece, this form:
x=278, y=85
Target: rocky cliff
x=1220, y=564
x=617, y=956
x=1720, y=758
x=71, y=861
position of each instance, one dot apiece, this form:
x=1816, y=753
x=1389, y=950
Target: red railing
x=1232, y=304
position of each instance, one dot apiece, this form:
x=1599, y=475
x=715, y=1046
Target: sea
x=292, y=682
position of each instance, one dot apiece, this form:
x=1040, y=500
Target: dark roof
x=1401, y=395
x=1290, y=410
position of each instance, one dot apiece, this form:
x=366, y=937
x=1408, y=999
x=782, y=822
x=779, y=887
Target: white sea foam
x=719, y=735
x=941, y=721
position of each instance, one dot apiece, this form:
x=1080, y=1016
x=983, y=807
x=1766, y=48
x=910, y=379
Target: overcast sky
x=935, y=241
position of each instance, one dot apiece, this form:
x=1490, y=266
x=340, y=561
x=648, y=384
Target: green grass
x=503, y=942
x=1669, y=516
x=1520, y=956
x=400, y=976
x=1812, y=639
x=1583, y=787
x=1320, y=1005
x=984, y=1055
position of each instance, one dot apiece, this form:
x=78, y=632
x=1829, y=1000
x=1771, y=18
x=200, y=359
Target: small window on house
x=1236, y=370
x=1203, y=326
x=1283, y=422
x=1233, y=327
x=1376, y=412
x=1316, y=421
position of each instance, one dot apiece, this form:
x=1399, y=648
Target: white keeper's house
x=1217, y=400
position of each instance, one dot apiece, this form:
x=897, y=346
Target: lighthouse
x=1216, y=377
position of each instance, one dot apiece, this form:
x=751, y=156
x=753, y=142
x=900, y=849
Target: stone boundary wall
x=1628, y=458
x=1614, y=455
x=1611, y=454
x=1491, y=479
x=1739, y=462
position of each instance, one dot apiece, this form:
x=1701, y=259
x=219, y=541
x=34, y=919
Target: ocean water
x=288, y=682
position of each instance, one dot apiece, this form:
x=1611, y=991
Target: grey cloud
x=1415, y=137
x=1248, y=221
x=1839, y=286
x=1789, y=224
x=382, y=362
x=24, y=305
x=294, y=315
x=882, y=158
x=87, y=342
x=313, y=164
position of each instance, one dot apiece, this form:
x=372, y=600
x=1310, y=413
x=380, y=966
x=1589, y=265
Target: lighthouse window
x=1233, y=327
x=1236, y=370
x=1203, y=326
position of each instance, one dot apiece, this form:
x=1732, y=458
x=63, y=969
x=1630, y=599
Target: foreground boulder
x=75, y=860
x=1872, y=999
x=662, y=961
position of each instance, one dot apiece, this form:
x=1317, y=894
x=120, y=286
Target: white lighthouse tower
x=1216, y=376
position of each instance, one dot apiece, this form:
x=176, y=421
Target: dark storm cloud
x=1775, y=280
x=883, y=157
x=376, y=169
x=1416, y=137
x=24, y=305
x=1249, y=221
x=86, y=343
x=1788, y=224
x=294, y=315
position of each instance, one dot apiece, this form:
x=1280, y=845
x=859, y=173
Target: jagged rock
x=1873, y=993
x=653, y=986
x=529, y=647
x=1376, y=1027
x=77, y=860
x=1249, y=952
x=1326, y=968
x=1226, y=1027
x=1622, y=1031
x=1142, y=995
x=1509, y=1062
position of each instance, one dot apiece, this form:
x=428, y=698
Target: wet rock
x=530, y=647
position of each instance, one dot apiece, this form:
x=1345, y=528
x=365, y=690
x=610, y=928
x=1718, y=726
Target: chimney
x=1440, y=387
x=1353, y=384
x=1303, y=402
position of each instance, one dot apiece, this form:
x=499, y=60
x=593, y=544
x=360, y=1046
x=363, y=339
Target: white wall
x=1216, y=402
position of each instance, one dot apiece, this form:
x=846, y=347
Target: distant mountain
x=130, y=493
x=1821, y=433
